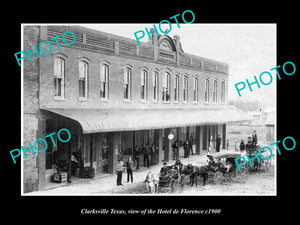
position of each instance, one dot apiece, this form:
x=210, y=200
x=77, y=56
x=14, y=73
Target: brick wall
x=73, y=54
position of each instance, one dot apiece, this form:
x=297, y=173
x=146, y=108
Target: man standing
x=218, y=143
x=129, y=166
x=146, y=155
x=186, y=148
x=175, y=150
x=191, y=145
x=136, y=155
x=119, y=171
x=152, y=155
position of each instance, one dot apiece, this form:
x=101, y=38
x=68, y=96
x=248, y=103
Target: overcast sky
x=249, y=49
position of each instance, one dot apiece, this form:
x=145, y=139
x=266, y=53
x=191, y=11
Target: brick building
x=112, y=95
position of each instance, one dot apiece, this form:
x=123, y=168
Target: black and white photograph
x=151, y=114
x=156, y=116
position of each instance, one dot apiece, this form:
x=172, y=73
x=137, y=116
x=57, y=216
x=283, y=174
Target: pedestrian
x=242, y=146
x=191, y=145
x=186, y=148
x=152, y=154
x=218, y=143
x=146, y=155
x=254, y=138
x=175, y=150
x=119, y=171
x=136, y=155
x=129, y=167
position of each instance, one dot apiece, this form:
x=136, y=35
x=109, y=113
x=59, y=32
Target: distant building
x=113, y=94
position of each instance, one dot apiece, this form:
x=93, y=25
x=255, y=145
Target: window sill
x=164, y=102
x=104, y=100
x=127, y=100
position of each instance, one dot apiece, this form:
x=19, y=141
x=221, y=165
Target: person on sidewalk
x=191, y=145
x=175, y=150
x=129, y=167
x=136, y=157
x=152, y=155
x=186, y=148
x=146, y=155
x=119, y=171
x=218, y=143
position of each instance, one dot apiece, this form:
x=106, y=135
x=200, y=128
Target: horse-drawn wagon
x=222, y=167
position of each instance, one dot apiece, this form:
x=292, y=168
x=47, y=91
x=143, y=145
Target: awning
x=107, y=120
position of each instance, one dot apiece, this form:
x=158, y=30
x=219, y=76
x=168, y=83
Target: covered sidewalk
x=109, y=120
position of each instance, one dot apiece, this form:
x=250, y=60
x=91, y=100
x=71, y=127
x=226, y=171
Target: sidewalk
x=106, y=185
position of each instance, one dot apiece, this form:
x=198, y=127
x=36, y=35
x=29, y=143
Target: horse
x=198, y=171
x=151, y=183
x=183, y=171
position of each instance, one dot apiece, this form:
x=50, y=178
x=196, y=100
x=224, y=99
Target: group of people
x=252, y=141
x=150, y=158
x=187, y=146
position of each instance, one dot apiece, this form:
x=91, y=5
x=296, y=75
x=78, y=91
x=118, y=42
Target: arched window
x=59, y=78
x=195, y=90
x=144, y=76
x=215, y=92
x=155, y=86
x=83, y=79
x=206, y=93
x=104, y=79
x=176, y=88
x=185, y=89
x=166, y=87
x=223, y=92
x=127, y=83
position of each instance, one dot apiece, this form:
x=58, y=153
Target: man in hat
x=119, y=171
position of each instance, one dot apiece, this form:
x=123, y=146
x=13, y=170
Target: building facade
x=112, y=95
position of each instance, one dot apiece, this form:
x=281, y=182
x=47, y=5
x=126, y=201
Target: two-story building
x=113, y=94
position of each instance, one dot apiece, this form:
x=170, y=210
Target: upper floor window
x=176, y=88
x=195, y=90
x=206, y=93
x=83, y=79
x=155, y=86
x=59, y=77
x=215, y=92
x=104, y=77
x=144, y=75
x=127, y=83
x=185, y=89
x=223, y=92
x=166, y=87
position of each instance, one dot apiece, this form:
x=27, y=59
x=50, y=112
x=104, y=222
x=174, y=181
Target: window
x=185, y=89
x=83, y=79
x=104, y=75
x=223, y=92
x=166, y=87
x=195, y=90
x=206, y=97
x=144, y=75
x=155, y=86
x=127, y=83
x=215, y=92
x=59, y=77
x=176, y=88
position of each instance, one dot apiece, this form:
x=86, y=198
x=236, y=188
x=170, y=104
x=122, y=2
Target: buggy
x=223, y=167
x=169, y=178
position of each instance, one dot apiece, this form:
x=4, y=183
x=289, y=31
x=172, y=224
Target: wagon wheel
x=218, y=177
x=173, y=183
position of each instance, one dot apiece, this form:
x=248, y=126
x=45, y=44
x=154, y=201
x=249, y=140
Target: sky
x=249, y=49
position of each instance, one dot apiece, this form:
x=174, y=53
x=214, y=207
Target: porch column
x=197, y=140
x=167, y=145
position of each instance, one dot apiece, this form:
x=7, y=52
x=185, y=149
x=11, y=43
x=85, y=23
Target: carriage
x=223, y=167
x=169, y=178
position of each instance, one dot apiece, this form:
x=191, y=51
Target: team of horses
x=184, y=171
